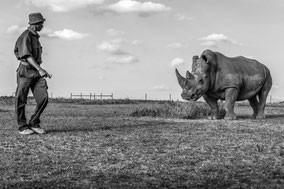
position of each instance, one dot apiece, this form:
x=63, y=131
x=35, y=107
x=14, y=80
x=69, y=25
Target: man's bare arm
x=41, y=71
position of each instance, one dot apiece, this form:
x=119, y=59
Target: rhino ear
x=181, y=80
x=194, y=58
x=189, y=75
x=205, y=59
x=208, y=56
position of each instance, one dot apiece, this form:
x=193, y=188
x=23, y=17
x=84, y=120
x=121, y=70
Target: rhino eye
x=187, y=87
x=201, y=81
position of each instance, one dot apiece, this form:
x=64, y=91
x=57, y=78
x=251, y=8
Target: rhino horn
x=189, y=75
x=181, y=80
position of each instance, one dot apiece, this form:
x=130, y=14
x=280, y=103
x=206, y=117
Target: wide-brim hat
x=35, y=18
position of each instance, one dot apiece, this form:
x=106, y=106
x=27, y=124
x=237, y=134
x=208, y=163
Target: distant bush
x=97, y=101
x=183, y=110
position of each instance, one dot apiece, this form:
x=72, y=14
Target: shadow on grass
x=128, y=127
x=268, y=116
x=1, y=110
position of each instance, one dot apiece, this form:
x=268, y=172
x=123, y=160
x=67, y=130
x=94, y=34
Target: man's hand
x=43, y=73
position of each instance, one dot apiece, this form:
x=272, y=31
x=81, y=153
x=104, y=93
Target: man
x=30, y=75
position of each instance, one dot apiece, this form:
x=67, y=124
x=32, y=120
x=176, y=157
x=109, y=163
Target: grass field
x=102, y=146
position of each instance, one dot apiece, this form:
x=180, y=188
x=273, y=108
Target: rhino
x=215, y=76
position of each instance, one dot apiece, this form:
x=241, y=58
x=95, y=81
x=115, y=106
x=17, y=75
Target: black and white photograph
x=141, y=94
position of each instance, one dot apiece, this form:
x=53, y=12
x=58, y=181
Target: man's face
x=39, y=26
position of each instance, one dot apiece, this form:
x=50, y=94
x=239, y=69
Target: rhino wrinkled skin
x=215, y=76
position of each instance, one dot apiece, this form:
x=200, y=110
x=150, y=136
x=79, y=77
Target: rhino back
x=246, y=74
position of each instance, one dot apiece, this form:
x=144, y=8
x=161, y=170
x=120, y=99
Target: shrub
x=170, y=109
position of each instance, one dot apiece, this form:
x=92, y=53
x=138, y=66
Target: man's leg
x=23, y=85
x=21, y=100
x=39, y=89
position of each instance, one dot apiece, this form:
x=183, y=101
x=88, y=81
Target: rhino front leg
x=212, y=102
x=231, y=95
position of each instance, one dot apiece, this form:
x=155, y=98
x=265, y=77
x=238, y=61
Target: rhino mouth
x=193, y=97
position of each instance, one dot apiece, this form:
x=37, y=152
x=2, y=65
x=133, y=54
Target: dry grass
x=171, y=109
x=101, y=146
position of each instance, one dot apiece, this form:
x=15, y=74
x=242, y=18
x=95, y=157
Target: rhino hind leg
x=254, y=104
x=262, y=96
x=212, y=102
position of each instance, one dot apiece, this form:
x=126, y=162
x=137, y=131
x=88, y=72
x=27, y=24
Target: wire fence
x=92, y=96
x=101, y=96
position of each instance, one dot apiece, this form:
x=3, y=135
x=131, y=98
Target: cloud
x=67, y=34
x=116, y=54
x=114, y=32
x=177, y=61
x=15, y=29
x=177, y=45
x=112, y=47
x=214, y=39
x=182, y=17
x=125, y=59
x=136, y=42
x=275, y=86
x=160, y=88
x=131, y=6
x=62, y=5
x=108, y=47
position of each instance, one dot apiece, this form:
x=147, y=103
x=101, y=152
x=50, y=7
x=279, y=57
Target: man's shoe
x=38, y=130
x=26, y=131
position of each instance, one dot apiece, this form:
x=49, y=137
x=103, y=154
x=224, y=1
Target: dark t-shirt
x=28, y=45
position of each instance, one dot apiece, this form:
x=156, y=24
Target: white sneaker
x=26, y=132
x=38, y=130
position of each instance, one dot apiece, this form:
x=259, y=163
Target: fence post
x=101, y=96
x=112, y=96
x=145, y=96
x=81, y=95
x=71, y=96
x=94, y=96
x=170, y=96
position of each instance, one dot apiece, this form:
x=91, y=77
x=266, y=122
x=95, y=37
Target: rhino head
x=197, y=83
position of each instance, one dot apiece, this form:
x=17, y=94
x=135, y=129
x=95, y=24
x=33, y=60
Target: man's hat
x=35, y=18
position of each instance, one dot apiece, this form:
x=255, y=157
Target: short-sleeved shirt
x=28, y=45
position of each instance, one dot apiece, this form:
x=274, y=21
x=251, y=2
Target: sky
x=130, y=48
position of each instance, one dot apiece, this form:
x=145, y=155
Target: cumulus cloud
x=136, y=42
x=160, y=88
x=108, y=47
x=214, y=39
x=62, y=5
x=177, y=61
x=67, y=34
x=177, y=45
x=116, y=54
x=112, y=47
x=125, y=59
x=182, y=17
x=114, y=32
x=131, y=6
x=15, y=29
